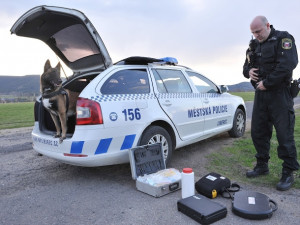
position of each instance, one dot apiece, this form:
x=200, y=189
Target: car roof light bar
x=139, y=60
x=169, y=61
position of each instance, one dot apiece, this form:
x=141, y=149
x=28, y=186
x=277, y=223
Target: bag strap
x=233, y=188
x=275, y=205
x=234, y=185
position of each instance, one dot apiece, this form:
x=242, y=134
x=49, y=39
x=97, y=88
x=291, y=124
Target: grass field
x=234, y=161
x=13, y=115
x=247, y=96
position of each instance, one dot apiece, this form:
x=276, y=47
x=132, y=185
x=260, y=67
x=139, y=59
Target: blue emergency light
x=170, y=60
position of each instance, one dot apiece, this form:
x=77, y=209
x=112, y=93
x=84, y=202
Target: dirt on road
x=38, y=190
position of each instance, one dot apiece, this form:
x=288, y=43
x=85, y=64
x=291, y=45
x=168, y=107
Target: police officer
x=271, y=59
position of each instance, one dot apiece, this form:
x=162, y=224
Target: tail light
x=88, y=112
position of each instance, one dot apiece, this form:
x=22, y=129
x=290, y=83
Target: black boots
x=286, y=180
x=261, y=168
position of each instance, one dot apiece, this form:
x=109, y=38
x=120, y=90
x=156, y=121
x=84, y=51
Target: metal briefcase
x=149, y=170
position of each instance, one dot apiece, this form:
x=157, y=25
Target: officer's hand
x=253, y=74
x=260, y=86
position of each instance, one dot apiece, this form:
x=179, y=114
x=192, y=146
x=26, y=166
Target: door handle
x=206, y=101
x=167, y=103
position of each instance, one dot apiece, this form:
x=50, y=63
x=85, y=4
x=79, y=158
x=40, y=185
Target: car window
x=202, y=84
x=171, y=81
x=72, y=47
x=130, y=81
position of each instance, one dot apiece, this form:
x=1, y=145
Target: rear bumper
x=79, y=152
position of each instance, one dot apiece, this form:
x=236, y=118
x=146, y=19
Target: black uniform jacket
x=276, y=59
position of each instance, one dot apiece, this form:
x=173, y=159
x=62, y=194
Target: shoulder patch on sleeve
x=287, y=43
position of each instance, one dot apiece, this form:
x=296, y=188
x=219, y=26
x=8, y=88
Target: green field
x=235, y=160
x=13, y=115
x=247, y=96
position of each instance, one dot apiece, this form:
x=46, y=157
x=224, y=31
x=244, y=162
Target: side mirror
x=224, y=88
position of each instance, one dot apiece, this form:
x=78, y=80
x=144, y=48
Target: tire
x=239, y=124
x=156, y=134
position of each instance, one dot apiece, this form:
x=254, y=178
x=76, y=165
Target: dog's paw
x=61, y=139
x=57, y=135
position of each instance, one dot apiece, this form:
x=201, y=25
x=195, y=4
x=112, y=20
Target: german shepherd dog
x=59, y=102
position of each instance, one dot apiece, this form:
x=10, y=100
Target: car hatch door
x=69, y=33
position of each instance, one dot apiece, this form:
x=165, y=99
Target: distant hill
x=241, y=87
x=20, y=85
x=30, y=85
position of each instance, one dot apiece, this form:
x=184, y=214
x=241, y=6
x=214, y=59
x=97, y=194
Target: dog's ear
x=58, y=68
x=47, y=65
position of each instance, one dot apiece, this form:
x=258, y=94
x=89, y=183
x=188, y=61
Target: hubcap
x=240, y=123
x=158, y=138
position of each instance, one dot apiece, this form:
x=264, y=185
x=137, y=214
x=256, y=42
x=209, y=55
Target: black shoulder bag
x=213, y=184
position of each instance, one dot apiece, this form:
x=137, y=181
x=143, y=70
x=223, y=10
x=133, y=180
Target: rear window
x=71, y=46
x=130, y=81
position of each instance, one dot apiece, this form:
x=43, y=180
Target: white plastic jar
x=187, y=183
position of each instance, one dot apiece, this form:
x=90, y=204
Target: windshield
x=71, y=46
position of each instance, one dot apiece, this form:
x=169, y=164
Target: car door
x=216, y=106
x=178, y=101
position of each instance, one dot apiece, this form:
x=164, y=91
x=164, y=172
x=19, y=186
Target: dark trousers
x=274, y=108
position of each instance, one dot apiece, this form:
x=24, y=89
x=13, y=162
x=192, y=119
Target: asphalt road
x=38, y=190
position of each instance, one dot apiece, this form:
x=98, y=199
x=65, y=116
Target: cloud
x=210, y=36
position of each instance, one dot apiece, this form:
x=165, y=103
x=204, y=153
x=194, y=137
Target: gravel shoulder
x=38, y=190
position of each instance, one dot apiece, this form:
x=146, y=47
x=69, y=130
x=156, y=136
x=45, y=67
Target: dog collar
x=52, y=94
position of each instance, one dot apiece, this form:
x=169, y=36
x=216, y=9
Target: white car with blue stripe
x=136, y=101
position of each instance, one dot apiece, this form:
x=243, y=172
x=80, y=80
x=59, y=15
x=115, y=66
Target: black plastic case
x=253, y=205
x=202, y=209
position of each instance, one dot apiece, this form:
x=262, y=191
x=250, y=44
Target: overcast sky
x=209, y=36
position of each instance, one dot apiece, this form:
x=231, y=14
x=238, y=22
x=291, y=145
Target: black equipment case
x=212, y=184
x=202, y=209
x=253, y=205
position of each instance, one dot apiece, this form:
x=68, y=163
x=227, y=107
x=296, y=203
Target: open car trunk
x=41, y=115
x=73, y=38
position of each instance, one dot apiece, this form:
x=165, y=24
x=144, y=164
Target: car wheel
x=156, y=134
x=239, y=124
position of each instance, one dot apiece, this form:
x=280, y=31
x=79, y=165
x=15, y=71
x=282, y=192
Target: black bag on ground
x=213, y=184
x=253, y=205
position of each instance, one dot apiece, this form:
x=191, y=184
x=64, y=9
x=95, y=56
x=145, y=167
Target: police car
x=136, y=101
